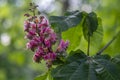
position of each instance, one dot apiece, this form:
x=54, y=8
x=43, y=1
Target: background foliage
x=16, y=62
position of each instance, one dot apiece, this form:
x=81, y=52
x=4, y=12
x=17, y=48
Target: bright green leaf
x=97, y=37
x=42, y=77
x=74, y=36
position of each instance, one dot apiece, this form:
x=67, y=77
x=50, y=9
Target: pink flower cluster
x=41, y=39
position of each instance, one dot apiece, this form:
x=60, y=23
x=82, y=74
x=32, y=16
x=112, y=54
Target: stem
x=100, y=51
x=88, y=49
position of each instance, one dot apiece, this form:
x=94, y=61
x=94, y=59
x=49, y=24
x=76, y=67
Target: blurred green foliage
x=16, y=62
x=110, y=14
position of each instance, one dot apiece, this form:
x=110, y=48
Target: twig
x=100, y=51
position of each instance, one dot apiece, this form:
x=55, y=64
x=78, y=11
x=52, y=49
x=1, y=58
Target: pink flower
x=33, y=26
x=48, y=30
x=37, y=57
x=26, y=26
x=62, y=46
x=42, y=25
x=32, y=45
x=47, y=43
x=38, y=54
x=50, y=56
x=53, y=37
x=30, y=34
x=44, y=21
x=38, y=39
x=50, y=35
x=40, y=50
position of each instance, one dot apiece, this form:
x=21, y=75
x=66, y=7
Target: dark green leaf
x=90, y=24
x=58, y=61
x=63, y=23
x=106, y=70
x=105, y=56
x=75, y=55
x=116, y=61
x=80, y=67
x=71, y=13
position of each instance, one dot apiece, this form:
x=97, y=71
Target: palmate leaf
x=81, y=67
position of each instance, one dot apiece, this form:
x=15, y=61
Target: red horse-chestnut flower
x=41, y=39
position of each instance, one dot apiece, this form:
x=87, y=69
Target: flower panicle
x=41, y=37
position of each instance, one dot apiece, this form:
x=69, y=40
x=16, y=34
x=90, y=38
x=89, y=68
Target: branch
x=100, y=51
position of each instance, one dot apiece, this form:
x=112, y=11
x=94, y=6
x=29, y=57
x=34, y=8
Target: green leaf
x=97, y=37
x=95, y=40
x=105, y=56
x=74, y=36
x=116, y=45
x=71, y=13
x=75, y=56
x=58, y=61
x=90, y=25
x=116, y=61
x=63, y=23
x=42, y=77
x=106, y=70
x=81, y=67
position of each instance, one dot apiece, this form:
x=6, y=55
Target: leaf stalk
x=88, y=49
